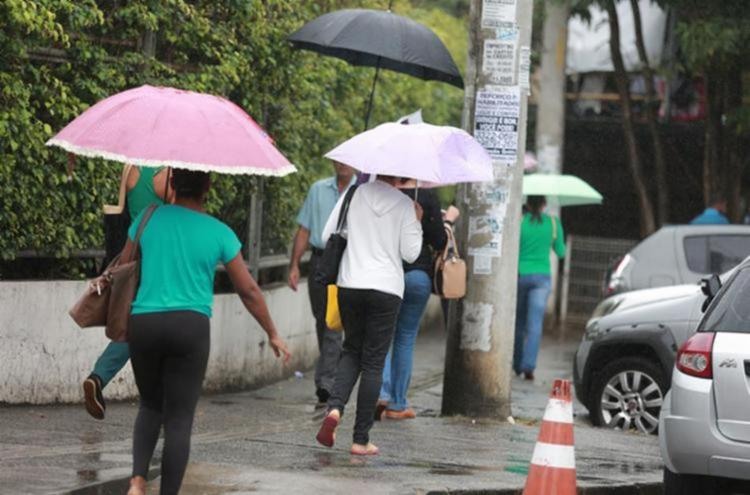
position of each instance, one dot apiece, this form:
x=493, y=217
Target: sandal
x=327, y=434
x=369, y=449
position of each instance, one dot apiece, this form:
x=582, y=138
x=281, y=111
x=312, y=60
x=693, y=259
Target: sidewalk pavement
x=263, y=441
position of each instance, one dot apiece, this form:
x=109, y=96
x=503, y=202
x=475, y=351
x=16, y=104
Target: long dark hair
x=535, y=205
x=190, y=184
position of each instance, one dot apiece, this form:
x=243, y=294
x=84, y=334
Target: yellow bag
x=333, y=317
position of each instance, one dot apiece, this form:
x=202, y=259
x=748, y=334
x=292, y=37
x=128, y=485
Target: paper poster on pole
x=498, y=12
x=498, y=110
x=482, y=265
x=499, y=61
x=486, y=233
x=524, y=68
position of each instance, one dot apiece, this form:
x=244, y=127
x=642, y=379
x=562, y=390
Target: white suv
x=704, y=427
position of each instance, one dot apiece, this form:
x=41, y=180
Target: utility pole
x=550, y=122
x=481, y=326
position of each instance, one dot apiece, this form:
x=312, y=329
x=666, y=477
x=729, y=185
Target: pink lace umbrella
x=157, y=127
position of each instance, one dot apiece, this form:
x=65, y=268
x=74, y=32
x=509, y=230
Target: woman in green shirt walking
x=539, y=233
x=169, y=329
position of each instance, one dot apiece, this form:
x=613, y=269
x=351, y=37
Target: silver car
x=624, y=361
x=704, y=428
x=679, y=254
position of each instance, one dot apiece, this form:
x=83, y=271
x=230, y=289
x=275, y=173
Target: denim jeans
x=398, y=363
x=112, y=360
x=369, y=318
x=533, y=291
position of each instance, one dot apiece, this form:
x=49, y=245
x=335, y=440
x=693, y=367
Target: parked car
x=679, y=254
x=705, y=421
x=624, y=361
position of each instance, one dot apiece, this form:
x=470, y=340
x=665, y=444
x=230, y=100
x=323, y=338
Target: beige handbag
x=450, y=271
x=108, y=298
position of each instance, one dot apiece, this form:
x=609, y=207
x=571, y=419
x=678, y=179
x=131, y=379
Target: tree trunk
x=662, y=184
x=734, y=165
x=646, y=208
x=712, y=147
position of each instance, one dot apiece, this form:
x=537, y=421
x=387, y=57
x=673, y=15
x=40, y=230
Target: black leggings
x=369, y=318
x=169, y=352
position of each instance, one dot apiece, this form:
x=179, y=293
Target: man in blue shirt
x=715, y=214
x=312, y=218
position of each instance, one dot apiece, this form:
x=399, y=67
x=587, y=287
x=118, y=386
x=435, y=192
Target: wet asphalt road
x=263, y=442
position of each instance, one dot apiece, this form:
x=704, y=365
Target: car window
x=727, y=251
x=731, y=312
x=696, y=253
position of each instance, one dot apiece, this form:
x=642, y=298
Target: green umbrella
x=561, y=190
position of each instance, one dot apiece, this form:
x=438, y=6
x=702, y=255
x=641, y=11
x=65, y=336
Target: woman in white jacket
x=383, y=230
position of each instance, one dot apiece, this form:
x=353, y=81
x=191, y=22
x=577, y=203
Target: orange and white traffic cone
x=553, y=465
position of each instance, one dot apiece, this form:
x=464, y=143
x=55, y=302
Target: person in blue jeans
x=418, y=286
x=539, y=233
x=143, y=186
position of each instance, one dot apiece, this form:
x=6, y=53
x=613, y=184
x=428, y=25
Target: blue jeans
x=112, y=360
x=533, y=291
x=398, y=363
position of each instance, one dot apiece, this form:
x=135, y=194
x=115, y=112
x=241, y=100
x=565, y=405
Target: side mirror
x=710, y=287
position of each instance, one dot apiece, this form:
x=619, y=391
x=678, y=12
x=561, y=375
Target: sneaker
x=93, y=398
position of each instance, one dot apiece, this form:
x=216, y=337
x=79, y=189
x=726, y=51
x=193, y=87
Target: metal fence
x=586, y=264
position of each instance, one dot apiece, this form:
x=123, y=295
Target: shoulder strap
x=141, y=227
x=554, y=227
x=451, y=243
x=345, y=208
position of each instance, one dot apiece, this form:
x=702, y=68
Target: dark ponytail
x=535, y=205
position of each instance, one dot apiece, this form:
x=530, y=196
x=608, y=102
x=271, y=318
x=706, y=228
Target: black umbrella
x=376, y=38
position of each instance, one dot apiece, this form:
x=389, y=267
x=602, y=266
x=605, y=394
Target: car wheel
x=688, y=484
x=628, y=394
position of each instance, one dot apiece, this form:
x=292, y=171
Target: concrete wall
x=44, y=356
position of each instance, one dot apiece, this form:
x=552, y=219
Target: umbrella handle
x=372, y=94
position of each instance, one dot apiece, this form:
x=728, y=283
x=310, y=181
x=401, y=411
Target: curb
x=636, y=489
x=116, y=486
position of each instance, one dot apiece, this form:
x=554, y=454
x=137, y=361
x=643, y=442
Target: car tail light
x=694, y=357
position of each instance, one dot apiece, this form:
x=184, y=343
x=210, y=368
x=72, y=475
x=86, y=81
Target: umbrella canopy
x=561, y=190
x=435, y=155
x=375, y=38
x=156, y=126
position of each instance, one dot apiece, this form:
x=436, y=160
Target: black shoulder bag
x=328, y=266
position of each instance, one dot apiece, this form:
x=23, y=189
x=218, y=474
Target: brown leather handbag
x=108, y=298
x=450, y=271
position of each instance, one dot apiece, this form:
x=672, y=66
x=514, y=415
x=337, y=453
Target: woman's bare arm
x=252, y=298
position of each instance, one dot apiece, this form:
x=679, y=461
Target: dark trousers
x=329, y=341
x=369, y=319
x=169, y=352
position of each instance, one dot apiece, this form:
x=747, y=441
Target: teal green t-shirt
x=180, y=249
x=537, y=238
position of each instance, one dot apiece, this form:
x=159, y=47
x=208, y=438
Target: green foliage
x=57, y=57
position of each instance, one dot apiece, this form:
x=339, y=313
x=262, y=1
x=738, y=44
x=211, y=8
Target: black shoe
x=93, y=398
x=323, y=395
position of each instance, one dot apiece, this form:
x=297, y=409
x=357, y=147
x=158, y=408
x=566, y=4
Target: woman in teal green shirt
x=168, y=334
x=539, y=233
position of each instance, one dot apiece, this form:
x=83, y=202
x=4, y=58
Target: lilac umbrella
x=433, y=155
x=155, y=127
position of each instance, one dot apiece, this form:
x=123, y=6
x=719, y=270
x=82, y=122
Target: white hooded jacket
x=382, y=231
